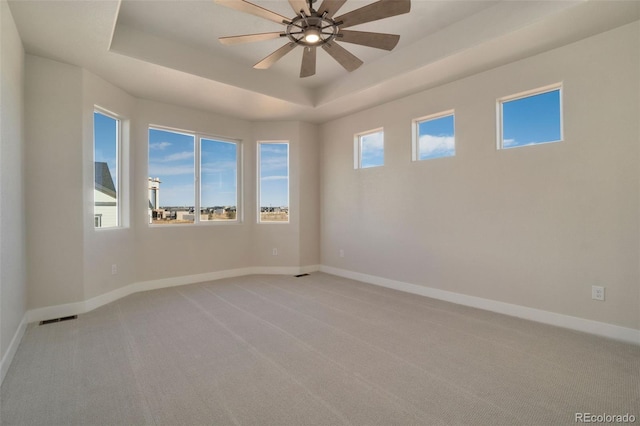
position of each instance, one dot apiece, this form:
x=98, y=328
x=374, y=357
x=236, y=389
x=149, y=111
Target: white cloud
x=178, y=156
x=436, y=146
x=512, y=143
x=374, y=141
x=163, y=170
x=372, y=149
x=218, y=167
x=266, y=178
x=274, y=148
x=273, y=163
x=159, y=145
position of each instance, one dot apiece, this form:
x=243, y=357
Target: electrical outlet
x=274, y=251
x=341, y=253
x=597, y=292
x=114, y=269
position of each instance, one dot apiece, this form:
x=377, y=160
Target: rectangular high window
x=106, y=166
x=434, y=136
x=273, y=182
x=369, y=149
x=192, y=178
x=530, y=118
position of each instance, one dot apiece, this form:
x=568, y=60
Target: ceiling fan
x=311, y=28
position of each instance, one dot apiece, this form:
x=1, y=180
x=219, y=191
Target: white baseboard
x=13, y=347
x=308, y=269
x=77, y=308
x=611, y=331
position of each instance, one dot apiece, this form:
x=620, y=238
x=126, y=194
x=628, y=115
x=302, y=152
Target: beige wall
x=71, y=261
x=54, y=189
x=105, y=247
x=309, y=159
x=13, y=285
x=182, y=250
x=534, y=226
x=294, y=241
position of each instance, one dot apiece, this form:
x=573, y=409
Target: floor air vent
x=51, y=321
x=301, y=275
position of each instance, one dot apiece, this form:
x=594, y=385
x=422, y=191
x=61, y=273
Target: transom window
x=530, y=118
x=192, y=178
x=434, y=136
x=369, y=149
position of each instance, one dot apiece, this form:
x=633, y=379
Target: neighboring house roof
x=103, y=179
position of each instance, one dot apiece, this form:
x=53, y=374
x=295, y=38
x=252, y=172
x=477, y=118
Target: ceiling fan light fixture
x=312, y=35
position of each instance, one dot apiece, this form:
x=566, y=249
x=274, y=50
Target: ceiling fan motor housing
x=302, y=26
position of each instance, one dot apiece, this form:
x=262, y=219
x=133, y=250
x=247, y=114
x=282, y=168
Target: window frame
x=259, y=183
x=119, y=175
x=197, y=189
x=415, y=133
x=523, y=95
x=357, y=148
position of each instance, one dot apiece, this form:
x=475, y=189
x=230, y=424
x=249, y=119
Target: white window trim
x=198, y=136
x=522, y=95
x=259, y=184
x=415, y=130
x=120, y=175
x=357, y=147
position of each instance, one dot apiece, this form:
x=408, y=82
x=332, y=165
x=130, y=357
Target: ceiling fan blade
x=308, y=67
x=245, y=6
x=374, y=11
x=298, y=5
x=271, y=59
x=343, y=56
x=248, y=38
x=331, y=7
x=377, y=40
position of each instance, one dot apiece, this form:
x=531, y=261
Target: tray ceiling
x=169, y=51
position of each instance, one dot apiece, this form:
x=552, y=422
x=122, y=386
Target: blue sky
x=171, y=158
x=436, y=138
x=531, y=120
x=218, y=173
x=105, y=131
x=372, y=149
x=274, y=174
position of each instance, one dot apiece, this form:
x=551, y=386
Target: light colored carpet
x=322, y=350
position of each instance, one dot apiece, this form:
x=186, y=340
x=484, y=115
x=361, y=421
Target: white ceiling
x=201, y=23
x=167, y=50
